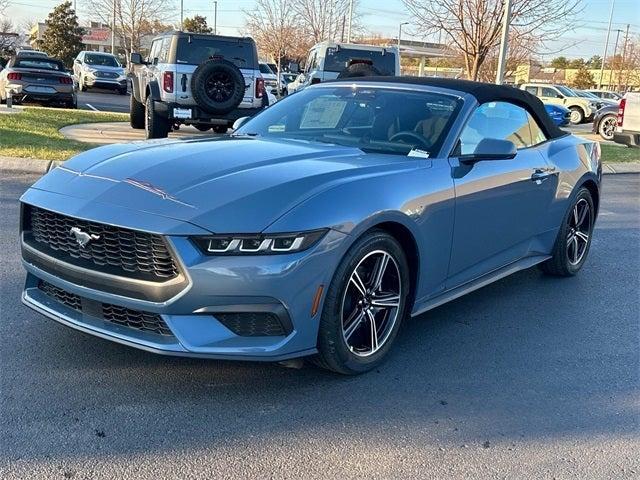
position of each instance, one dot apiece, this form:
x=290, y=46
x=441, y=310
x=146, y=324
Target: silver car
x=29, y=78
x=103, y=70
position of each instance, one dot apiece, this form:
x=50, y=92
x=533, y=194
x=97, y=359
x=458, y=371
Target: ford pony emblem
x=83, y=238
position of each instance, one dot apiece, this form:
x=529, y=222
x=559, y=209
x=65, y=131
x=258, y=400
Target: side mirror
x=77, y=60
x=239, y=122
x=136, y=59
x=491, y=149
x=559, y=96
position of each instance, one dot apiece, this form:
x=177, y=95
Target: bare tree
x=324, y=19
x=474, y=26
x=134, y=18
x=8, y=37
x=274, y=26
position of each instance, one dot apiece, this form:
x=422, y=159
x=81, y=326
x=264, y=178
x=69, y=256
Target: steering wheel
x=412, y=137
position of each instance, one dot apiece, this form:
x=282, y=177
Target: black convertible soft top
x=483, y=92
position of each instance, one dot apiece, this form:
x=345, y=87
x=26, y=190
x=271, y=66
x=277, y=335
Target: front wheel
x=577, y=115
x=364, y=306
x=574, y=238
x=607, y=127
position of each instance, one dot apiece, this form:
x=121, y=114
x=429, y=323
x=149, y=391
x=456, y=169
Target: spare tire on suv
x=359, y=70
x=217, y=86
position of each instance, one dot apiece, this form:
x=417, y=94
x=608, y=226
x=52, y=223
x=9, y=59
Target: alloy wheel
x=219, y=86
x=575, y=117
x=371, y=302
x=579, y=231
x=607, y=127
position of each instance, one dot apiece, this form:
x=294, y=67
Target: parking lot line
x=92, y=107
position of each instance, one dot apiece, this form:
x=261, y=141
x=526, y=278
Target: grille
x=126, y=317
x=115, y=250
x=252, y=324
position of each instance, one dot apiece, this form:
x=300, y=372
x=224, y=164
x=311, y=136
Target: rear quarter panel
x=631, y=121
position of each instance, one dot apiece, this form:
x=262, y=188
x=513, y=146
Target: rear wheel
x=577, y=115
x=155, y=125
x=574, y=238
x=136, y=113
x=220, y=128
x=202, y=128
x=364, y=306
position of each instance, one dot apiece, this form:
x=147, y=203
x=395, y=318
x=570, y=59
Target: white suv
x=330, y=60
x=207, y=81
x=628, y=127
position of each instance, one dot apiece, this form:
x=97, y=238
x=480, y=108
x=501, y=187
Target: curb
x=15, y=165
x=620, y=168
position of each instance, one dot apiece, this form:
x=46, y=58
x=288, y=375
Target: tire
x=359, y=70
x=566, y=261
x=73, y=104
x=607, y=126
x=155, y=125
x=217, y=86
x=221, y=129
x=136, y=113
x=202, y=128
x=351, y=352
x=577, y=116
x=122, y=91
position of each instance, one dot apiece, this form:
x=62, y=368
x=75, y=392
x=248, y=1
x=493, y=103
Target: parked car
x=195, y=79
x=615, y=96
x=330, y=60
x=628, y=126
x=605, y=121
x=582, y=109
x=102, y=70
x=24, y=52
x=335, y=215
x=560, y=115
x=38, y=79
x=271, y=80
x=600, y=102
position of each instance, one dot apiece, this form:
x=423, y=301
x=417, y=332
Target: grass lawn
x=34, y=132
x=616, y=153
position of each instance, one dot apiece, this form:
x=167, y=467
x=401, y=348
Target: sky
x=587, y=38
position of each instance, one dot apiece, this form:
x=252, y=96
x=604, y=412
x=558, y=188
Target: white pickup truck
x=628, y=128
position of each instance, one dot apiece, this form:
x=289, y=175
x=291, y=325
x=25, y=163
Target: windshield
x=101, y=60
x=567, y=92
x=338, y=59
x=374, y=119
x=40, y=63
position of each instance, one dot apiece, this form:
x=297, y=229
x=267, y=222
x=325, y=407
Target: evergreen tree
x=63, y=36
x=583, y=79
x=197, y=24
x=560, y=62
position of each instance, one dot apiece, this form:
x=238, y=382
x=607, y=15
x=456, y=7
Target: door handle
x=539, y=175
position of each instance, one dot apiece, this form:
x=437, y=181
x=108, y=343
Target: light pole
x=350, y=20
x=215, y=17
x=113, y=29
x=606, y=46
x=504, y=43
x=400, y=35
x=181, y=14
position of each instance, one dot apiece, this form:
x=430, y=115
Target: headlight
x=258, y=244
x=91, y=70
x=593, y=105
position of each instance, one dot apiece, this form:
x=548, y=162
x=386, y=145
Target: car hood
x=225, y=185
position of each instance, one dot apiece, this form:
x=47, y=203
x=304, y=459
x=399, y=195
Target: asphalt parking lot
x=101, y=100
x=531, y=377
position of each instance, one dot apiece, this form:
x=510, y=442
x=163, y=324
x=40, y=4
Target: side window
x=532, y=90
x=311, y=62
x=153, y=52
x=537, y=135
x=500, y=120
x=163, y=50
x=549, y=92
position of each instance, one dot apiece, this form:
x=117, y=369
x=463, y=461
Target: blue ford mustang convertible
x=316, y=228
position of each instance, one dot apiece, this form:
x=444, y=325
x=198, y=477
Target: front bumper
x=283, y=286
x=107, y=83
